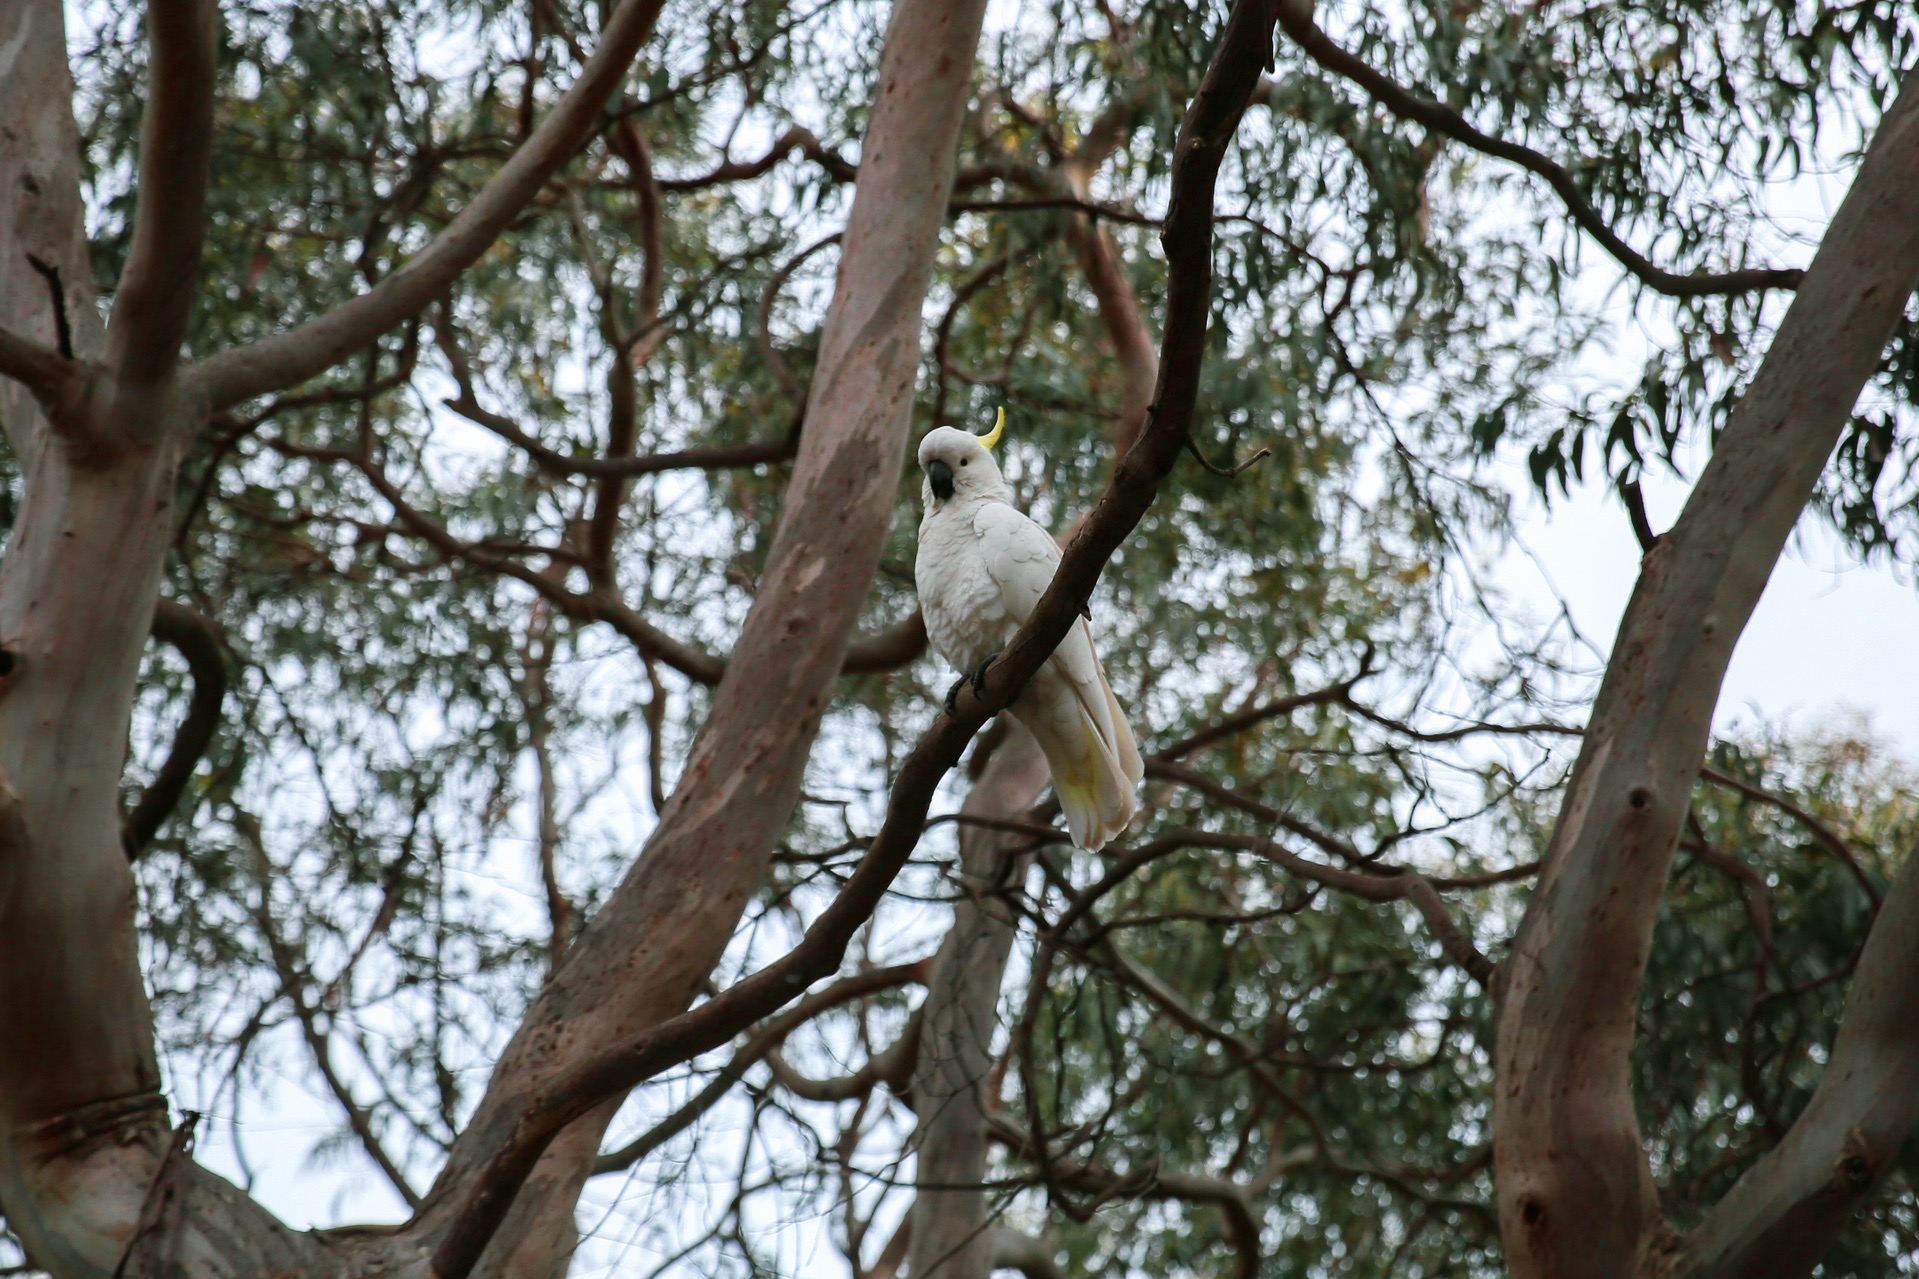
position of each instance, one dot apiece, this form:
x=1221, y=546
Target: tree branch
x=51, y=377
x=1786, y=1211
x=1297, y=19
x=287, y=359
x=794, y=139
x=162, y=276
x=764, y=1042
x=194, y=638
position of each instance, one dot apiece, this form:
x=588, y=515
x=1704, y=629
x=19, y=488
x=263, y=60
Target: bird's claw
x=976, y=677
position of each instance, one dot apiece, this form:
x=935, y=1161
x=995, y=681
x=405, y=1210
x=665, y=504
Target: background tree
x=507, y=404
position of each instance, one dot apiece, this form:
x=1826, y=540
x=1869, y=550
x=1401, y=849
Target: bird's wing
x=1019, y=555
x=1021, y=558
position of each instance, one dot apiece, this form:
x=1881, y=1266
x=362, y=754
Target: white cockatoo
x=982, y=566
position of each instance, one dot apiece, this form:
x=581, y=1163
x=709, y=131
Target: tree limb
x=162, y=276
x=51, y=377
x=1786, y=1211
x=287, y=359
x=194, y=638
x=764, y=1042
x=1297, y=19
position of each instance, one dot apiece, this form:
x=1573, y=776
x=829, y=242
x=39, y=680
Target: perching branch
x=1297, y=19
x=162, y=275
x=767, y=1039
x=194, y=638
x=287, y=359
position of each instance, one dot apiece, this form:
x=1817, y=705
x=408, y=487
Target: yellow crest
x=991, y=438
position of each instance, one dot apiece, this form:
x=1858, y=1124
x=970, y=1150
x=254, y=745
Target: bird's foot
x=976, y=677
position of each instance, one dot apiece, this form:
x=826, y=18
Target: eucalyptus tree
x=496, y=414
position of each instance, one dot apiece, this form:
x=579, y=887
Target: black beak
x=940, y=476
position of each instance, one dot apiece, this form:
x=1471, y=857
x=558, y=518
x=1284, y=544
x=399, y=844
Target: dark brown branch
x=57, y=295
x=288, y=359
x=556, y=463
x=1074, y=203
x=764, y=1041
x=762, y=321
x=162, y=275
x=794, y=139
x=1297, y=19
x=288, y=965
x=1409, y=886
x=1821, y=831
x=1635, y=499
x=194, y=638
x=1204, y=136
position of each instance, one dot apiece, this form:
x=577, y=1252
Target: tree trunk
x=950, y=1218
x=1576, y=1196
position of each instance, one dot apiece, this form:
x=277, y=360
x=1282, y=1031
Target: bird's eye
x=966, y=461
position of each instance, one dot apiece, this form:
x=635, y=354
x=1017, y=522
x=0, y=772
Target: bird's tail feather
x=1094, y=778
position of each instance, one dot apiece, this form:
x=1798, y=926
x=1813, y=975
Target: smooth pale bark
x=1576, y=1197
x=950, y=1212
x=41, y=215
x=645, y=955
x=1783, y=1215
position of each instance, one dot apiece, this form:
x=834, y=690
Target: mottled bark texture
x=1576, y=1196
x=951, y=1213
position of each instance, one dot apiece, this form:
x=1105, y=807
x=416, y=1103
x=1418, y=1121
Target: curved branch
x=194, y=638
x=794, y=139
x=287, y=359
x=1297, y=20
x=762, y=1044
x=160, y=282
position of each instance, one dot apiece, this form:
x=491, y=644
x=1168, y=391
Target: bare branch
x=195, y=640
x=162, y=275
x=1824, y=833
x=1297, y=19
x=51, y=377
x=794, y=139
x=556, y=463
x=288, y=359
x=763, y=1043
